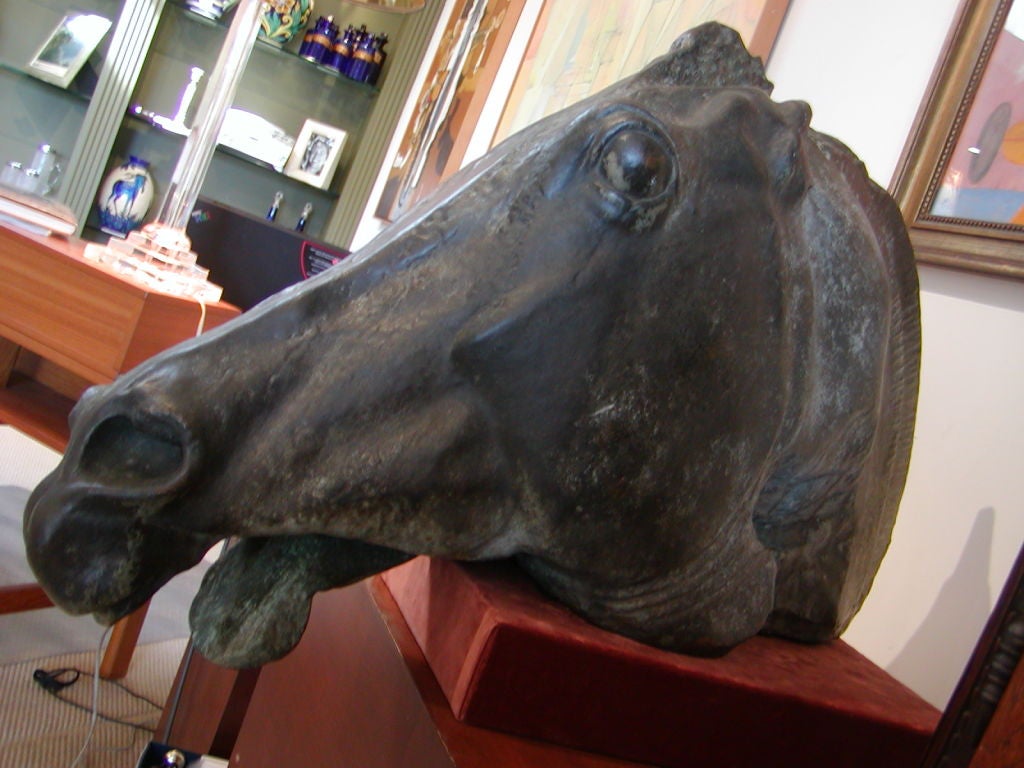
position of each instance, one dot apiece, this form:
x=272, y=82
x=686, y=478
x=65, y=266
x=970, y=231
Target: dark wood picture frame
x=994, y=248
x=982, y=725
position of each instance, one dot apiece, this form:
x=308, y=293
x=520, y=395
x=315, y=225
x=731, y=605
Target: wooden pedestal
x=511, y=659
x=356, y=691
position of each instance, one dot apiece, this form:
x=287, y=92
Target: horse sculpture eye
x=636, y=164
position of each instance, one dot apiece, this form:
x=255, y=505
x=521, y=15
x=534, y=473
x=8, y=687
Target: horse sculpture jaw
x=660, y=348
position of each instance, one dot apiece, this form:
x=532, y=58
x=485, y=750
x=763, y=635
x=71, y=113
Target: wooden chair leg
x=15, y=598
x=123, y=638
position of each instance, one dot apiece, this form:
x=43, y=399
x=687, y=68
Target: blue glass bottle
x=361, y=64
x=319, y=40
x=342, y=53
x=379, y=55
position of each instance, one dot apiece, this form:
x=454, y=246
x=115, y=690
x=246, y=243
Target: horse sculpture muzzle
x=662, y=348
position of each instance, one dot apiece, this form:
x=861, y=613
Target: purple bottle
x=361, y=63
x=342, y=54
x=319, y=40
x=379, y=55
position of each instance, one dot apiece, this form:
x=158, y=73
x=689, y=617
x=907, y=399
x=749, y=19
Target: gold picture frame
x=958, y=182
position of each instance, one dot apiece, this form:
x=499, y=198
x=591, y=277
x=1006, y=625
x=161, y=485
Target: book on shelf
x=36, y=214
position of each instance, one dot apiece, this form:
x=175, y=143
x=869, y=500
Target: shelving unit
x=300, y=89
x=146, y=59
x=35, y=111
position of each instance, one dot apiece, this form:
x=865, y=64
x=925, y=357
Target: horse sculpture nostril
x=124, y=451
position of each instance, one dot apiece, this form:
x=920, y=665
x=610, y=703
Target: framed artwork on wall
x=577, y=49
x=615, y=37
x=960, y=181
x=450, y=102
x=981, y=725
x=68, y=47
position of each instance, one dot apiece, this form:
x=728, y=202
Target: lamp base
x=159, y=257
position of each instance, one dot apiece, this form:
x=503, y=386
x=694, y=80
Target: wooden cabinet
x=66, y=324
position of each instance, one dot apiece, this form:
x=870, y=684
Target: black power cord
x=55, y=681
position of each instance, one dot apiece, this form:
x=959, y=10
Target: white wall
x=864, y=67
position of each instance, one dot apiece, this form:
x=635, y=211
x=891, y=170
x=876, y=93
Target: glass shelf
x=138, y=116
x=284, y=53
x=86, y=77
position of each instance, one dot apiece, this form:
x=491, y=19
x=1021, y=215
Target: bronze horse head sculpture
x=661, y=348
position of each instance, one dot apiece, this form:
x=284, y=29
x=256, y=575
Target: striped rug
x=38, y=730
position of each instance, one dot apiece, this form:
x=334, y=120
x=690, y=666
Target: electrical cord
x=52, y=685
x=53, y=682
x=56, y=681
x=202, y=316
x=95, y=700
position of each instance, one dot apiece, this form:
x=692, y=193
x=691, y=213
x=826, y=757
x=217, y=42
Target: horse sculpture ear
x=784, y=152
x=708, y=56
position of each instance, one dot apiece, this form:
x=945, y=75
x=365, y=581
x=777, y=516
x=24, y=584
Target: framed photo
x=960, y=181
x=315, y=156
x=68, y=47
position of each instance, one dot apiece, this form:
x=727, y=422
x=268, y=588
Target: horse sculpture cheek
x=662, y=348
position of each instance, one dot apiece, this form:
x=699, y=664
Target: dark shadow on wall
x=935, y=655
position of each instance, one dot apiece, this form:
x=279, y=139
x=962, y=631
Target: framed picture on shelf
x=68, y=47
x=315, y=156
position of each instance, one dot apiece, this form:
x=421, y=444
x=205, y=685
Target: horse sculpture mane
x=661, y=348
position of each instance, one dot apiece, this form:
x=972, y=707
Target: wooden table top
x=82, y=315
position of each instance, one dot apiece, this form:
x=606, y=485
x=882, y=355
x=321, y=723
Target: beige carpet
x=38, y=730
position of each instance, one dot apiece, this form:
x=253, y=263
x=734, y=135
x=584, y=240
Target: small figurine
x=275, y=206
x=187, y=95
x=307, y=210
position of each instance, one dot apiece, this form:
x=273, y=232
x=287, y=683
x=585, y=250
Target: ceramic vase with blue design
x=281, y=20
x=125, y=196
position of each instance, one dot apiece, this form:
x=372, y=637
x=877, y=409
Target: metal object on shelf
x=256, y=137
x=307, y=211
x=211, y=9
x=160, y=254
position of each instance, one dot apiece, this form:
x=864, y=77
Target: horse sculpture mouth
x=101, y=528
x=111, y=561
x=254, y=602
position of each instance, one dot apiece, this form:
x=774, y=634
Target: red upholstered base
x=509, y=659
